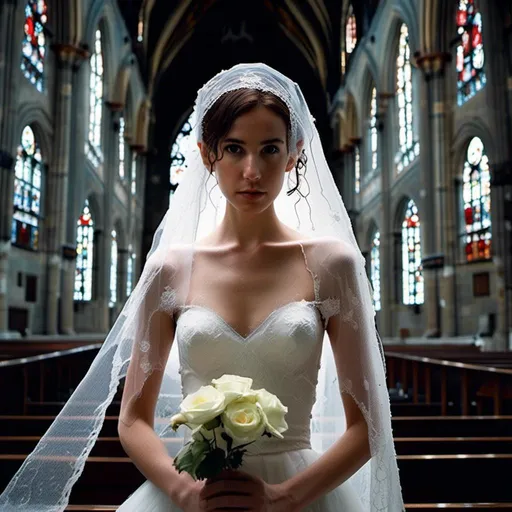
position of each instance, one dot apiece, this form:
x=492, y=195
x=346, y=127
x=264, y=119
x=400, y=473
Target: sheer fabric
x=350, y=359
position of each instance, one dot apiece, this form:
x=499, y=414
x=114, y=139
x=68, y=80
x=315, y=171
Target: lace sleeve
x=352, y=363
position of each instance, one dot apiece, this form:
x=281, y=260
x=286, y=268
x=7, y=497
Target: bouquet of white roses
x=225, y=417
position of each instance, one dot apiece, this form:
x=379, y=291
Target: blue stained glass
x=412, y=277
x=27, y=193
x=84, y=255
x=33, y=51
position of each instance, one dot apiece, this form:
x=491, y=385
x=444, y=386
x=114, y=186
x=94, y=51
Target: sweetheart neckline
x=259, y=326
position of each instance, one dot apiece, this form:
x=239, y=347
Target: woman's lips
x=252, y=195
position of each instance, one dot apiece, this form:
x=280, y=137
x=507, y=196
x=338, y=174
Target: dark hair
x=219, y=119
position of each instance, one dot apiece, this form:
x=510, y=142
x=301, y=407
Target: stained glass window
x=409, y=146
x=121, y=147
x=184, y=141
x=413, y=287
x=95, y=101
x=84, y=255
x=470, y=52
x=113, y=270
x=357, y=169
x=134, y=173
x=350, y=37
x=350, y=31
x=477, y=202
x=34, y=42
x=373, y=130
x=130, y=271
x=27, y=192
x=375, y=270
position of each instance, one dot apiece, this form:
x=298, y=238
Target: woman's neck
x=248, y=231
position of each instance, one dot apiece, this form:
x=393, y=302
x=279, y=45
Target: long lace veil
x=351, y=363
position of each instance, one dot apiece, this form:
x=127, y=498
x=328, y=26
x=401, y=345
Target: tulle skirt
x=273, y=469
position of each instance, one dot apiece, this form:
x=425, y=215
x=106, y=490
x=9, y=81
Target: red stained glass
x=34, y=43
x=470, y=52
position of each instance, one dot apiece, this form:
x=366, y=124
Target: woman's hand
x=188, y=498
x=241, y=491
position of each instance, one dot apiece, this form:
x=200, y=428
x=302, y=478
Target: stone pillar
x=386, y=166
x=437, y=213
x=122, y=275
x=57, y=189
x=10, y=44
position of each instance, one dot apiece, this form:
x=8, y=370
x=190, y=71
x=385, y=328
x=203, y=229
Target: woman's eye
x=233, y=149
x=271, y=150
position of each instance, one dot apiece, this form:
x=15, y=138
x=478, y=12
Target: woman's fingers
x=233, y=502
x=227, y=487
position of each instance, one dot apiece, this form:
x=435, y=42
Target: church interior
x=413, y=102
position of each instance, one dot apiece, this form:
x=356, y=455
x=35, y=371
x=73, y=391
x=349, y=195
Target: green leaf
x=212, y=423
x=190, y=457
x=212, y=464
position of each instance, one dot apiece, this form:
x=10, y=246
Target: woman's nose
x=251, y=169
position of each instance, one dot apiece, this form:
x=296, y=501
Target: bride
x=252, y=276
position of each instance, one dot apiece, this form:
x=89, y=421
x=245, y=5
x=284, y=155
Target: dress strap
x=316, y=281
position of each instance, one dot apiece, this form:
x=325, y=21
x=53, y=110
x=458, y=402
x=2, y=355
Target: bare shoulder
x=169, y=262
x=333, y=252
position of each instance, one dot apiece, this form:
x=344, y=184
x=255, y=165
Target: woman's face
x=254, y=160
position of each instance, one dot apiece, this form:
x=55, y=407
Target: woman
x=250, y=277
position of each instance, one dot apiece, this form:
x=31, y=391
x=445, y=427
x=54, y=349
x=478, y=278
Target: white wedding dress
x=281, y=355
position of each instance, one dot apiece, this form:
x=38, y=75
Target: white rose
x=244, y=421
x=202, y=406
x=233, y=387
x=274, y=412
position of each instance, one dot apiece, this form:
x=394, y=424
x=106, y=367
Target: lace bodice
x=281, y=355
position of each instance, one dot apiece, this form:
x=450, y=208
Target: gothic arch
x=399, y=15
x=102, y=16
x=473, y=128
x=31, y=113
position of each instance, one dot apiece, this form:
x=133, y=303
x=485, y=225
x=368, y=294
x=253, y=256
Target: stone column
x=10, y=44
x=437, y=212
x=385, y=145
x=57, y=188
x=122, y=275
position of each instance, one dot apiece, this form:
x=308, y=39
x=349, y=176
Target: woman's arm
x=350, y=334
x=136, y=423
x=350, y=452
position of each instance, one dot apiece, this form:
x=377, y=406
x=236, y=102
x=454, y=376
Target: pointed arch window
x=113, y=269
x=121, y=148
x=130, y=271
x=477, y=202
x=357, y=169
x=350, y=37
x=84, y=255
x=409, y=147
x=185, y=140
x=134, y=173
x=413, y=286
x=34, y=45
x=375, y=270
x=374, y=137
x=470, y=51
x=93, y=149
x=27, y=192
